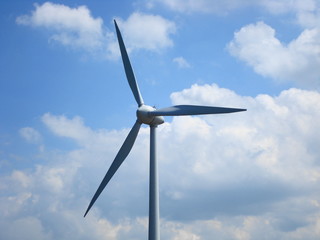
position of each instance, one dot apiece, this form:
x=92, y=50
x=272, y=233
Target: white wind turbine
x=152, y=117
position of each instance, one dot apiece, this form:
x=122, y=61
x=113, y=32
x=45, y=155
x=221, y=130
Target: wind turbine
x=152, y=117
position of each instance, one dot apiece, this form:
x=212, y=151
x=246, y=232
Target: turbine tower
x=152, y=117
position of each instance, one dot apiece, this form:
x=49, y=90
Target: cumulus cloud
x=62, y=126
x=257, y=44
x=298, y=61
x=73, y=27
x=78, y=29
x=182, y=62
x=235, y=176
x=307, y=12
x=29, y=228
x=145, y=31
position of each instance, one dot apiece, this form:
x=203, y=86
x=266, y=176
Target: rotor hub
x=144, y=116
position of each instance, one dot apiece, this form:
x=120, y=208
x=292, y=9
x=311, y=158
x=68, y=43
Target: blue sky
x=66, y=108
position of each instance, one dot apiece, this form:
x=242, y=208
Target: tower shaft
x=154, y=216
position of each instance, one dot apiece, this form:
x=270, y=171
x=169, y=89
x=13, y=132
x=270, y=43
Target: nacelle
x=144, y=116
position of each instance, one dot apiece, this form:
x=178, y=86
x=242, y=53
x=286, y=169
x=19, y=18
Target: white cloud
x=62, y=126
x=31, y=135
x=28, y=228
x=21, y=178
x=202, y=6
x=75, y=129
x=306, y=12
x=275, y=132
x=284, y=6
x=74, y=27
x=78, y=29
x=143, y=31
x=234, y=176
x=298, y=61
x=182, y=63
x=257, y=44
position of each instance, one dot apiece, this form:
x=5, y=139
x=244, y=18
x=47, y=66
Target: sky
x=66, y=108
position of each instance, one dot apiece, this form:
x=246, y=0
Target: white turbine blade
x=121, y=156
x=128, y=68
x=180, y=110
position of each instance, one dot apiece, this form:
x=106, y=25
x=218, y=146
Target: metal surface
x=143, y=115
x=121, y=156
x=128, y=69
x=152, y=117
x=180, y=110
x=154, y=216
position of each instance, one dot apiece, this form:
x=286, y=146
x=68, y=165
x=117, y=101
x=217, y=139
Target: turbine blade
x=128, y=68
x=121, y=156
x=180, y=110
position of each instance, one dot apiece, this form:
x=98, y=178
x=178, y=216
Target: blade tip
x=241, y=109
x=86, y=213
x=88, y=209
x=115, y=23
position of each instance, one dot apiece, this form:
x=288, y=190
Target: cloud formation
x=257, y=44
x=181, y=62
x=30, y=134
x=298, y=61
x=236, y=176
x=76, y=28
x=151, y=32
x=306, y=12
x=200, y=6
x=73, y=27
